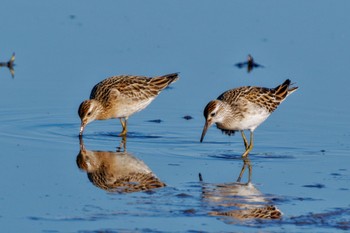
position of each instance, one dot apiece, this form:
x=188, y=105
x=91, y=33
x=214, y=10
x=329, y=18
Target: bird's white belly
x=251, y=119
x=127, y=108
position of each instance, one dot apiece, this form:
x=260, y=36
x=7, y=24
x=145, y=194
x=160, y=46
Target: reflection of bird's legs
x=124, y=125
x=246, y=162
x=122, y=144
x=250, y=169
x=250, y=147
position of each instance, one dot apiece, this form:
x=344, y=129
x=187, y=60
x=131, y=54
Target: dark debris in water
x=318, y=186
x=183, y=195
x=249, y=64
x=173, y=164
x=187, y=117
x=335, y=174
x=155, y=121
x=189, y=212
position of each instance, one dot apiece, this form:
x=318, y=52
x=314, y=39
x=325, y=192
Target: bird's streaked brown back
x=268, y=98
x=138, y=87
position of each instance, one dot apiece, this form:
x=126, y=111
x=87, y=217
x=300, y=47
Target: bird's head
x=213, y=114
x=88, y=111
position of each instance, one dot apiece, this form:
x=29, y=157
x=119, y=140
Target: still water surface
x=300, y=162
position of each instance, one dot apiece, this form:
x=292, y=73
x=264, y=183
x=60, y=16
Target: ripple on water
x=19, y=126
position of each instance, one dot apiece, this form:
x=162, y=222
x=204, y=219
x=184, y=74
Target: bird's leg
x=244, y=140
x=250, y=147
x=124, y=125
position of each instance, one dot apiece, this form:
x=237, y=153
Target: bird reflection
x=118, y=172
x=238, y=201
x=10, y=64
x=250, y=64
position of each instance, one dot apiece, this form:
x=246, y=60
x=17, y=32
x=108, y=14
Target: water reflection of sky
x=63, y=48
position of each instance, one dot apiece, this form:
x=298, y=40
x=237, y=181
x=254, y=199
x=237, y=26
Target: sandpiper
x=244, y=108
x=120, y=97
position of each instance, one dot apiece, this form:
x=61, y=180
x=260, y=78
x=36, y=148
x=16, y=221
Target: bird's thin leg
x=244, y=140
x=250, y=147
x=124, y=125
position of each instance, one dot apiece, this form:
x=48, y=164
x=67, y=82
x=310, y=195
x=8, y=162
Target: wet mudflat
x=299, y=167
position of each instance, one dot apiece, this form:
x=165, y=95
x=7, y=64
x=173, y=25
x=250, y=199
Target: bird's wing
x=132, y=87
x=261, y=96
x=125, y=86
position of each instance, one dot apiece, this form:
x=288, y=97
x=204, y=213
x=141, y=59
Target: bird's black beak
x=205, y=128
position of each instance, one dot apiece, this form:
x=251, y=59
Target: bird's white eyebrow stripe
x=90, y=108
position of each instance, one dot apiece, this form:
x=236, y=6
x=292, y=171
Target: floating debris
x=189, y=211
x=187, y=117
x=319, y=186
x=250, y=64
x=10, y=64
x=155, y=121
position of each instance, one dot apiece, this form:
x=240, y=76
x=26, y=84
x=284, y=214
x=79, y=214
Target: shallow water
x=300, y=161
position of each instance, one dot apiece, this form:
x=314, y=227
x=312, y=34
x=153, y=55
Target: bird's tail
x=165, y=80
x=283, y=90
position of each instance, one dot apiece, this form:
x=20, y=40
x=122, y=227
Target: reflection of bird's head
x=87, y=161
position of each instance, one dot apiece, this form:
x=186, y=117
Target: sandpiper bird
x=120, y=97
x=244, y=108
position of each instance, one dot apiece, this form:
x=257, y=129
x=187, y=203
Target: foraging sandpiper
x=244, y=108
x=120, y=97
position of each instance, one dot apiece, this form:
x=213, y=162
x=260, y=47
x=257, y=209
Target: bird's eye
x=212, y=114
x=89, y=113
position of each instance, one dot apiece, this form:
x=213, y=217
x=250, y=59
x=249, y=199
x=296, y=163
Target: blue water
x=300, y=161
